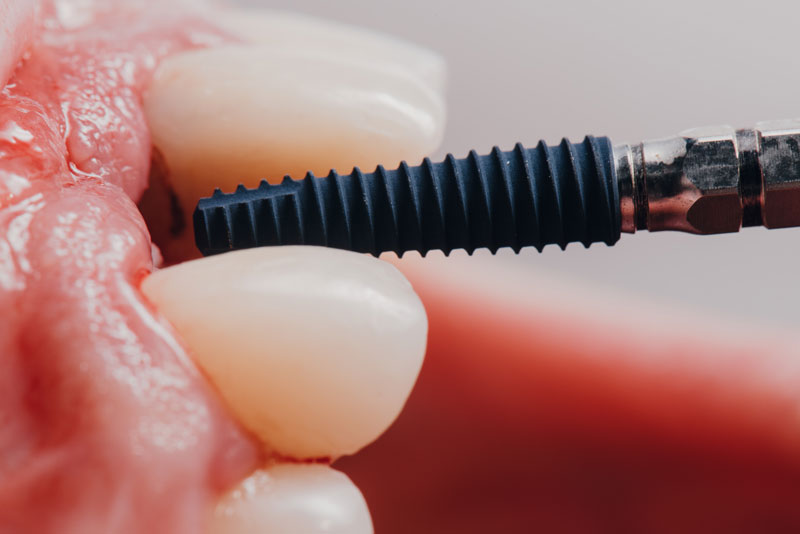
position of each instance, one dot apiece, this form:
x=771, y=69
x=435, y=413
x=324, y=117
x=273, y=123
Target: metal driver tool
x=703, y=181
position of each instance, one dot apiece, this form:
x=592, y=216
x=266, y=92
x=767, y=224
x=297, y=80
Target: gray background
x=630, y=69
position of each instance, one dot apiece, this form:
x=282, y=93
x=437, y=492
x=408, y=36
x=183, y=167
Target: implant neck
x=711, y=180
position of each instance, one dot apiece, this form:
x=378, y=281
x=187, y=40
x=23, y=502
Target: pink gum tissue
x=17, y=24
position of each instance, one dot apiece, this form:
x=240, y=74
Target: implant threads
x=524, y=197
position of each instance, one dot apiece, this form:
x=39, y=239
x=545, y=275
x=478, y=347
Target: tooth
x=293, y=498
x=284, y=29
x=240, y=113
x=314, y=350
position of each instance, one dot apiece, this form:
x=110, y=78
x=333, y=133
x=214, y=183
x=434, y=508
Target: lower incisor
x=293, y=498
x=314, y=350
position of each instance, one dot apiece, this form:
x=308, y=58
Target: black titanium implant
x=704, y=181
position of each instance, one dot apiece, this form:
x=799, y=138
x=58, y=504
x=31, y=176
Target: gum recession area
x=106, y=424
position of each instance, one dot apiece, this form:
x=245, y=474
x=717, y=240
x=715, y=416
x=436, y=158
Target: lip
x=540, y=407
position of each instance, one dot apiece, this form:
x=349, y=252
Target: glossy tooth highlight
x=315, y=350
x=293, y=498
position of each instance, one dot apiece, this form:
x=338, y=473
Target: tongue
x=106, y=424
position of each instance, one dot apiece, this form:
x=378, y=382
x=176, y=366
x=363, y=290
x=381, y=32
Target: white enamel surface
x=244, y=112
x=293, y=499
x=252, y=112
x=315, y=350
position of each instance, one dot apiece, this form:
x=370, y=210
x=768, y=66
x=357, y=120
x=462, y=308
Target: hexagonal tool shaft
x=703, y=181
x=559, y=194
x=712, y=180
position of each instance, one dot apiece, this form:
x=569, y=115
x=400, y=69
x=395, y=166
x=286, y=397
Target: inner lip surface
x=104, y=414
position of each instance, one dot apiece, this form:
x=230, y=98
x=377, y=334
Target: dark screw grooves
x=524, y=197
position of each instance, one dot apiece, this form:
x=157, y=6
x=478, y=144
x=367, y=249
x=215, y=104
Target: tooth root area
x=293, y=498
x=314, y=350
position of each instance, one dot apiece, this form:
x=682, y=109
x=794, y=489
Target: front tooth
x=292, y=498
x=240, y=113
x=315, y=350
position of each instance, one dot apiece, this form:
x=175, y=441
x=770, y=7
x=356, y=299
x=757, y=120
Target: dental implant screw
x=520, y=198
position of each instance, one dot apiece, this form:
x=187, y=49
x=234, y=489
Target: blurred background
x=632, y=70
x=555, y=429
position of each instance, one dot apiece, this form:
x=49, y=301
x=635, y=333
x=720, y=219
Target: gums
x=106, y=424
